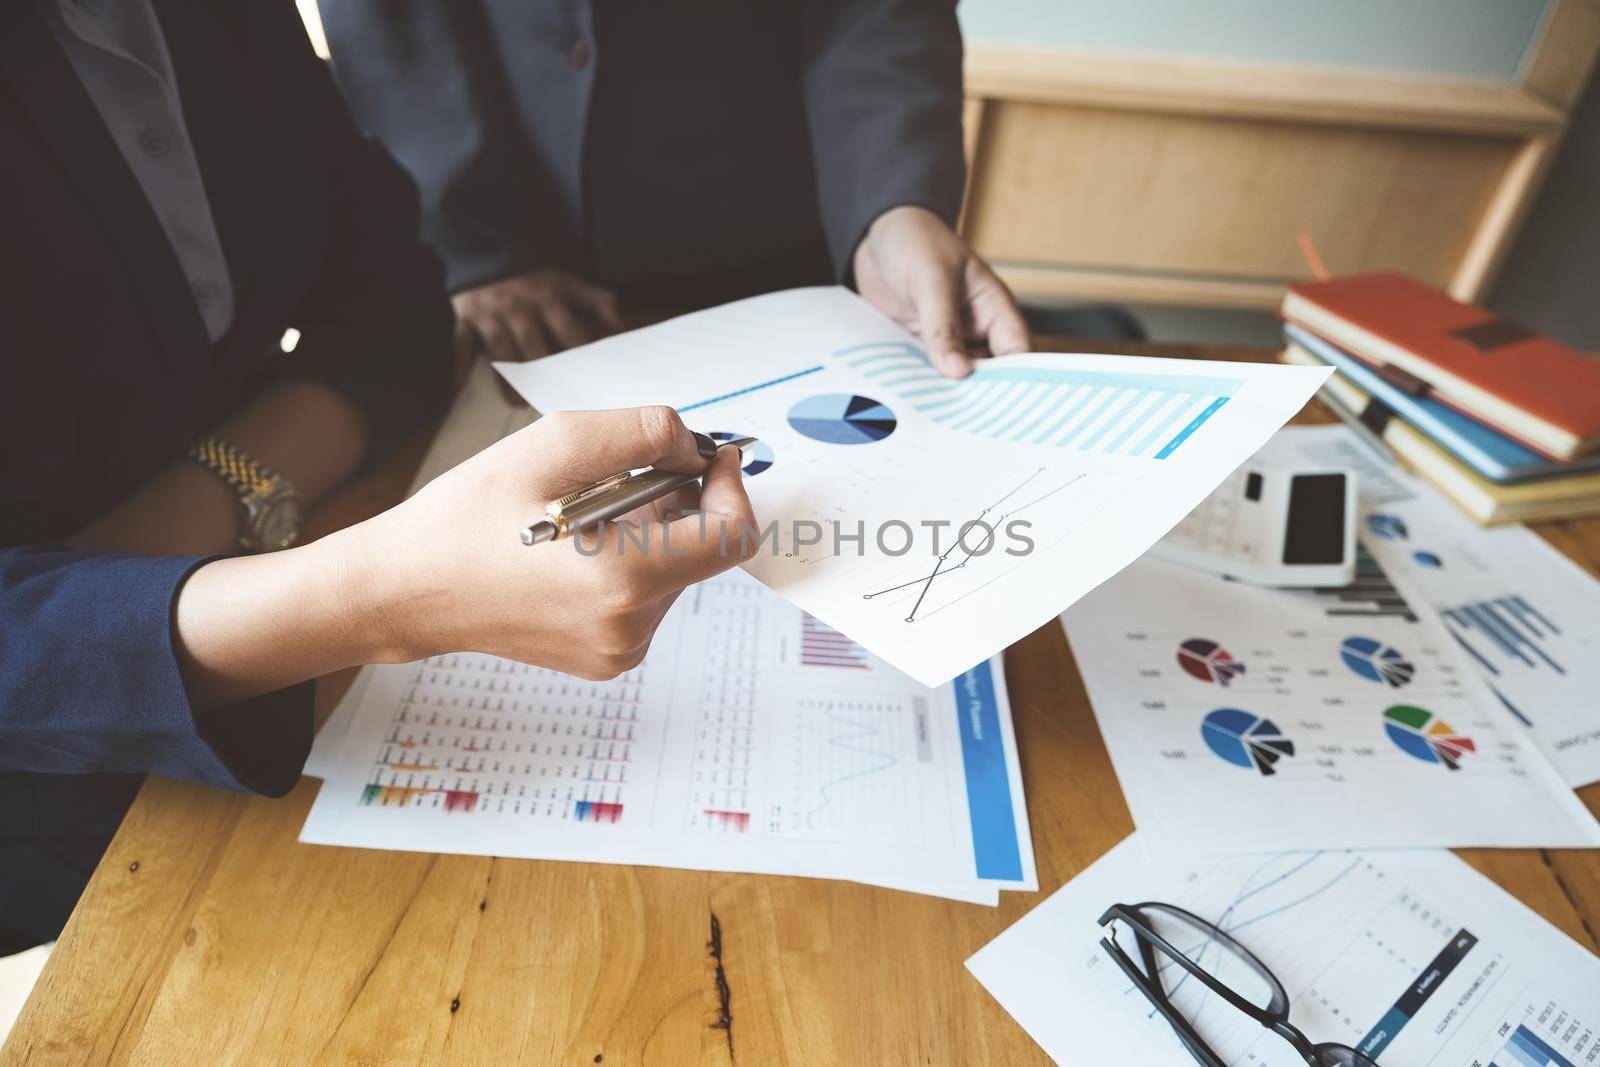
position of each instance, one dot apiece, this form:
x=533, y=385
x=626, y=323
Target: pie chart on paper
x=757, y=458
x=1245, y=740
x=1208, y=661
x=842, y=419
x=1419, y=734
x=1376, y=662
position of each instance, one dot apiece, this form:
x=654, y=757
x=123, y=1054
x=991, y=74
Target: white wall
x=1485, y=39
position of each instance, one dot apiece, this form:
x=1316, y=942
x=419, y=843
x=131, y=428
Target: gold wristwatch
x=273, y=510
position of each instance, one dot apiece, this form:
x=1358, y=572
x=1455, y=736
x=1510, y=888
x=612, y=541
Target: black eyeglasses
x=1226, y=968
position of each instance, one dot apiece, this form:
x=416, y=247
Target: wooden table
x=209, y=935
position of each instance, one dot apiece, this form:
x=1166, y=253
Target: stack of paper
x=926, y=521
x=753, y=738
x=1526, y=617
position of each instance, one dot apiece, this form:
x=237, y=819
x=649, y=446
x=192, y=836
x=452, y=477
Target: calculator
x=1272, y=526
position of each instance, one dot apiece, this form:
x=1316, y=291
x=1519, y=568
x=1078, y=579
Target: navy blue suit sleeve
x=883, y=99
x=90, y=683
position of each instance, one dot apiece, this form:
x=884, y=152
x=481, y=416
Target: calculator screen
x=1315, y=530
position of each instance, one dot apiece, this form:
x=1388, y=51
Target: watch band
x=272, y=508
x=234, y=466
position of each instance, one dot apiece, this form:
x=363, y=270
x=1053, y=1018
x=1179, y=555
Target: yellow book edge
x=1487, y=503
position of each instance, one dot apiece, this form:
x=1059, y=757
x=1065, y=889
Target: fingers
x=939, y=322
x=995, y=312
x=722, y=535
x=601, y=305
x=722, y=489
x=527, y=333
x=565, y=327
x=668, y=508
x=581, y=447
x=496, y=337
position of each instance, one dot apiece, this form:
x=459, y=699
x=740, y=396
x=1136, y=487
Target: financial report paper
x=1090, y=458
x=1409, y=956
x=753, y=738
x=1526, y=616
x=1241, y=719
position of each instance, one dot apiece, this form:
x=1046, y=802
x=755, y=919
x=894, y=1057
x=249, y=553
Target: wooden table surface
x=209, y=935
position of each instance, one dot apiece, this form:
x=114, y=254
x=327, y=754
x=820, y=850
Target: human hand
x=447, y=571
x=915, y=269
x=534, y=314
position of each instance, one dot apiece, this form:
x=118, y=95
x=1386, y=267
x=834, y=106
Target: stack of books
x=1504, y=421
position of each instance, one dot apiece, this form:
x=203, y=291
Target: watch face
x=279, y=523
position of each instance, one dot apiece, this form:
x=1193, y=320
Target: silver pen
x=611, y=498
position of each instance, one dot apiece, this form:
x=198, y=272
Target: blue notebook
x=1493, y=455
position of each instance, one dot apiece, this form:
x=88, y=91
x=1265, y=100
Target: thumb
x=938, y=306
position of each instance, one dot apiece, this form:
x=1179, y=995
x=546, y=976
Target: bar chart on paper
x=1126, y=414
x=1505, y=633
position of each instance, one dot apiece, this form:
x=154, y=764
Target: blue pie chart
x=842, y=419
x=757, y=458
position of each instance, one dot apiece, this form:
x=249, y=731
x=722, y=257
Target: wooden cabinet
x=1168, y=180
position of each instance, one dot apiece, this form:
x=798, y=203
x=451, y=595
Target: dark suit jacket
x=108, y=370
x=630, y=139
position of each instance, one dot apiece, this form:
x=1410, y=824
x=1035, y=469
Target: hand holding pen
x=618, y=495
x=470, y=584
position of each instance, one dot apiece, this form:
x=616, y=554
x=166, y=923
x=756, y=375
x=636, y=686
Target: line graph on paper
x=849, y=769
x=1344, y=937
x=973, y=541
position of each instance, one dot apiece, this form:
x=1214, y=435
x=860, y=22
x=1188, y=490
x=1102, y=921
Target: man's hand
x=913, y=268
x=534, y=314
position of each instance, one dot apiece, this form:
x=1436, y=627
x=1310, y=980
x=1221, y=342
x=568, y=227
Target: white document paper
x=1090, y=458
x=1242, y=719
x=1411, y=957
x=753, y=738
x=1527, y=616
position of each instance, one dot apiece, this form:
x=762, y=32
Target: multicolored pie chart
x=842, y=419
x=1420, y=734
x=1208, y=661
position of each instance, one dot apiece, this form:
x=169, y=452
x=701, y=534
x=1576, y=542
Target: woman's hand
x=585, y=606
x=447, y=571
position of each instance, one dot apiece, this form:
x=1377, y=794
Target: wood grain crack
x=1566, y=891
x=724, y=994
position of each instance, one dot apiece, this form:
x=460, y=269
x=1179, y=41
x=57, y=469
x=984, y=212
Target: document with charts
x=1409, y=956
x=752, y=738
x=1061, y=470
x=1526, y=616
x=1242, y=719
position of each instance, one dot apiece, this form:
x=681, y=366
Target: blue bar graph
x=1525, y=1049
x=1123, y=414
x=1503, y=633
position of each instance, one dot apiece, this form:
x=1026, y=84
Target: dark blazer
x=628, y=139
x=106, y=372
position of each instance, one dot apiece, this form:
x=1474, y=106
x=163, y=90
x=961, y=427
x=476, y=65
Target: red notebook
x=1523, y=383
